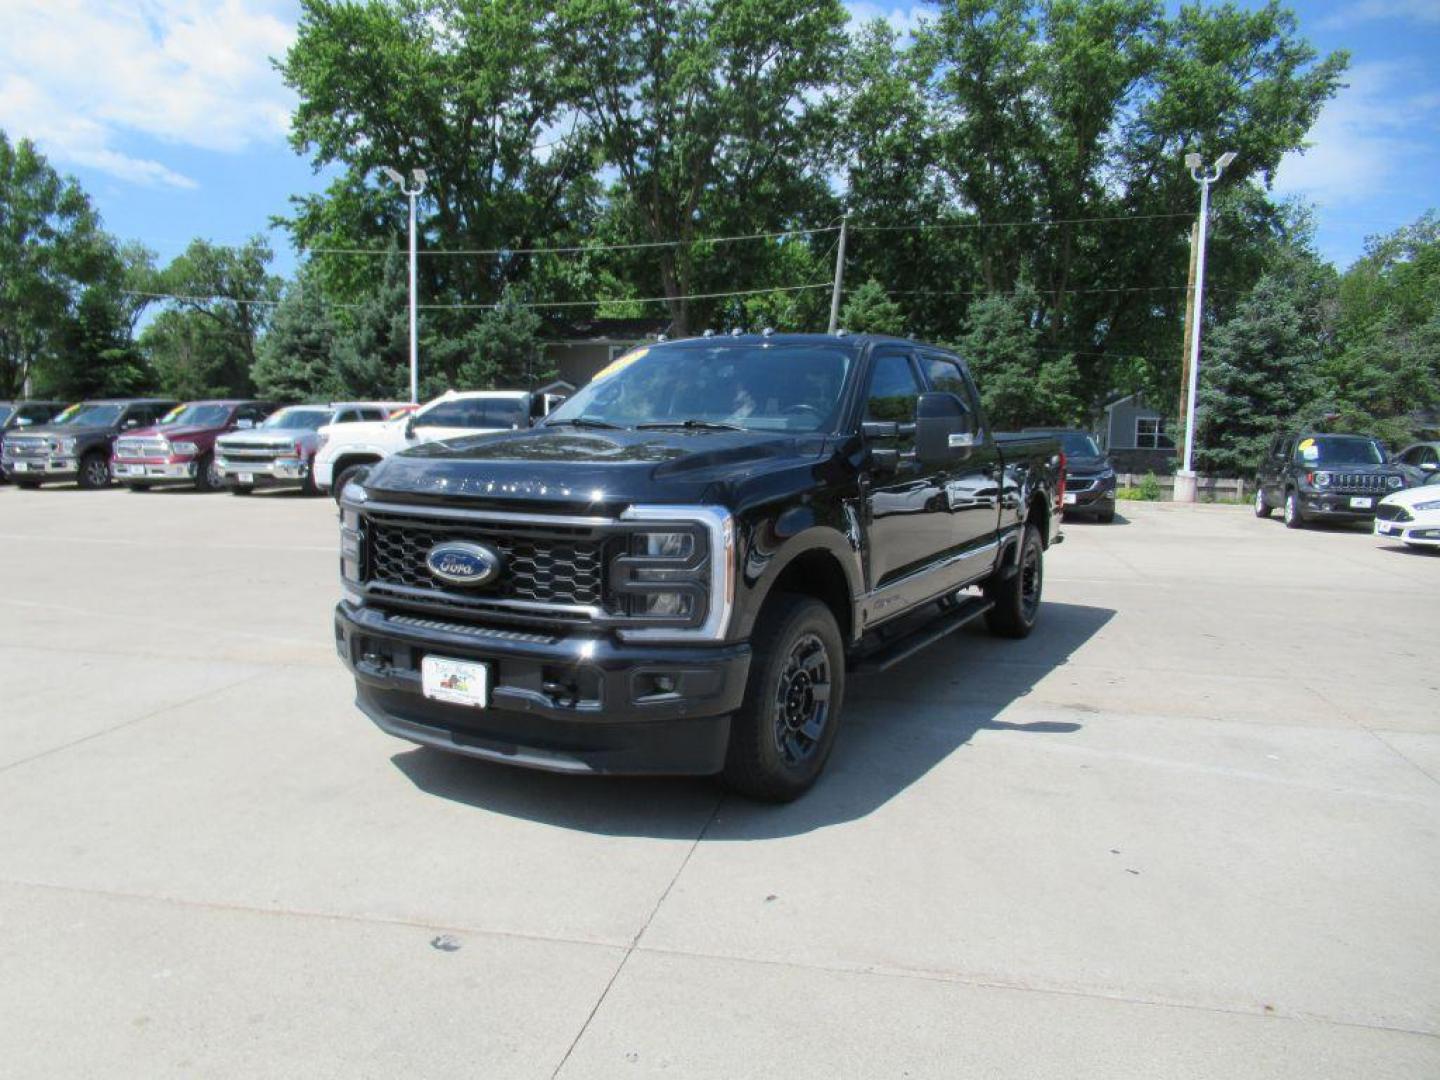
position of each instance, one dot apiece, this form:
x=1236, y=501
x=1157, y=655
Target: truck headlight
x=65, y=446
x=1322, y=479
x=185, y=449
x=677, y=572
x=350, y=545
x=1394, y=482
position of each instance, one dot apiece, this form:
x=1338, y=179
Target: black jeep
x=1314, y=476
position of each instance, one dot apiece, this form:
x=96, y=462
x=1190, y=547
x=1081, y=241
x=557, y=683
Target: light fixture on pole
x=418, y=175
x=1185, y=478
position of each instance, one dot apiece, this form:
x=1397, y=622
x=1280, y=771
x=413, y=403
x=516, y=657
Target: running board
x=886, y=657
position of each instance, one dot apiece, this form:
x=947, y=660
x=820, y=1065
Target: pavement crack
x=635, y=941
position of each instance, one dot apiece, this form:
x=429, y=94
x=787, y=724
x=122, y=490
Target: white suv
x=346, y=448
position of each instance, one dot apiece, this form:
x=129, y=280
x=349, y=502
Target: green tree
x=1020, y=384
x=295, y=360
x=372, y=344
x=1261, y=367
x=204, y=342
x=503, y=351
x=65, y=320
x=714, y=114
x=869, y=310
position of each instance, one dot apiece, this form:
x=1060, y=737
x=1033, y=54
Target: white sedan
x=1411, y=516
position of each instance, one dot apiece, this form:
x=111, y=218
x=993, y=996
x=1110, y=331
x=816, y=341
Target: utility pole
x=1189, y=324
x=412, y=194
x=1185, y=478
x=839, y=276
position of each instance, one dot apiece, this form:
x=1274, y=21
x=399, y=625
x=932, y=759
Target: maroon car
x=181, y=448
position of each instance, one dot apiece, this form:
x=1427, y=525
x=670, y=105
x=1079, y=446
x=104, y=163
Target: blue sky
x=172, y=117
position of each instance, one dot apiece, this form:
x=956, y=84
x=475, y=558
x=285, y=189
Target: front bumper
x=131, y=471
x=564, y=704
x=324, y=474
x=41, y=468
x=1339, y=506
x=1408, y=532
x=1086, y=494
x=277, y=473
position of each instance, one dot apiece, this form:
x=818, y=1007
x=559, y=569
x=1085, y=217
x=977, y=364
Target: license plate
x=1361, y=502
x=1069, y=498
x=1386, y=530
x=245, y=477
x=22, y=466
x=459, y=682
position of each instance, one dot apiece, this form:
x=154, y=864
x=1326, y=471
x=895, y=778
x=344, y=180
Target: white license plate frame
x=245, y=477
x=455, y=682
x=1362, y=502
x=1070, y=499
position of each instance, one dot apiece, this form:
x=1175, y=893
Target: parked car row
x=1313, y=476
x=238, y=444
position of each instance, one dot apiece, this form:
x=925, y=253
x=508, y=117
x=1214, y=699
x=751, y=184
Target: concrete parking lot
x=1188, y=829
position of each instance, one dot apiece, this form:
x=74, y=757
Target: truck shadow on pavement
x=898, y=726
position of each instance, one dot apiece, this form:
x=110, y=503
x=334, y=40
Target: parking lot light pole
x=418, y=175
x=1185, y=478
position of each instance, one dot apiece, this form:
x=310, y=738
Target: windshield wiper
x=585, y=422
x=707, y=425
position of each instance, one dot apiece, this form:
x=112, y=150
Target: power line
x=1040, y=223
x=574, y=249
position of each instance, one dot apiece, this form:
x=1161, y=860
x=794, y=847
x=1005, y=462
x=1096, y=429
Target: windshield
x=103, y=415
x=198, y=415
x=760, y=387
x=1078, y=444
x=298, y=419
x=1332, y=450
x=474, y=413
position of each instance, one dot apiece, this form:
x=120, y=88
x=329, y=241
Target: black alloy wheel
x=1017, y=595
x=781, y=736
x=802, y=700
x=94, y=471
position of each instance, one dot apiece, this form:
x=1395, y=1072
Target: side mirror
x=410, y=426
x=943, y=429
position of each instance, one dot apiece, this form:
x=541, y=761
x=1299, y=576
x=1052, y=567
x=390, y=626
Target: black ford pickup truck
x=675, y=570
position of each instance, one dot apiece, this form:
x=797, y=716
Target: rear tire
x=1262, y=508
x=1017, y=598
x=1294, y=516
x=241, y=489
x=94, y=472
x=207, y=475
x=782, y=735
x=28, y=485
x=1106, y=517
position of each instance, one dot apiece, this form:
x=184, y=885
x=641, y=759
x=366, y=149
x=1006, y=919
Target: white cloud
x=82, y=77
x=1371, y=10
x=1371, y=134
x=903, y=20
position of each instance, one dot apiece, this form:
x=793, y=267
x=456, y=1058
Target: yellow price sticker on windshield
x=1306, y=444
x=66, y=414
x=173, y=413
x=620, y=363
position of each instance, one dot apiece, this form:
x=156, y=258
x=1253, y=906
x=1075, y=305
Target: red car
x=181, y=448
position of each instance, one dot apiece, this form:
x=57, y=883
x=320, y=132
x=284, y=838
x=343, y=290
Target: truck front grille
x=253, y=453
x=1389, y=512
x=26, y=446
x=543, y=565
x=1359, y=483
x=142, y=448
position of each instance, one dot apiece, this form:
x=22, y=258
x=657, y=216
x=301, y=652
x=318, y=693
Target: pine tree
x=1020, y=385
x=372, y=350
x=503, y=351
x=1261, y=369
x=296, y=358
x=871, y=311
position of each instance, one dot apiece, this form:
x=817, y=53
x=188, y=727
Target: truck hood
x=268, y=437
x=595, y=468
x=171, y=431
x=1086, y=465
x=62, y=431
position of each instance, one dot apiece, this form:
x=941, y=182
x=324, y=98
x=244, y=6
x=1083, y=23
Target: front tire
x=1017, y=598
x=138, y=487
x=782, y=735
x=94, y=472
x=1294, y=516
x=1262, y=508
x=343, y=477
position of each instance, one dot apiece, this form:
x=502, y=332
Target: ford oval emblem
x=459, y=563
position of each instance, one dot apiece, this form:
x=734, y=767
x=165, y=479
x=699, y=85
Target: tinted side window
x=893, y=389
x=476, y=413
